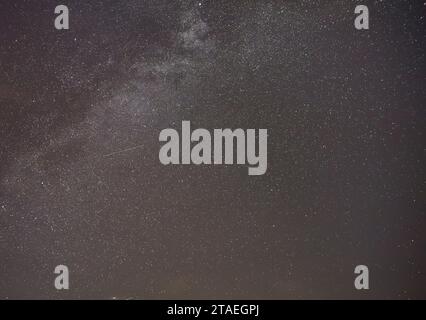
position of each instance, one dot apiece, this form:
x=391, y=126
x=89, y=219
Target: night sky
x=81, y=183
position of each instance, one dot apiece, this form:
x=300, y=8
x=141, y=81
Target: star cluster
x=81, y=183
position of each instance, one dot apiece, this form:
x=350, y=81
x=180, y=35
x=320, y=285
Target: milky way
x=81, y=183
